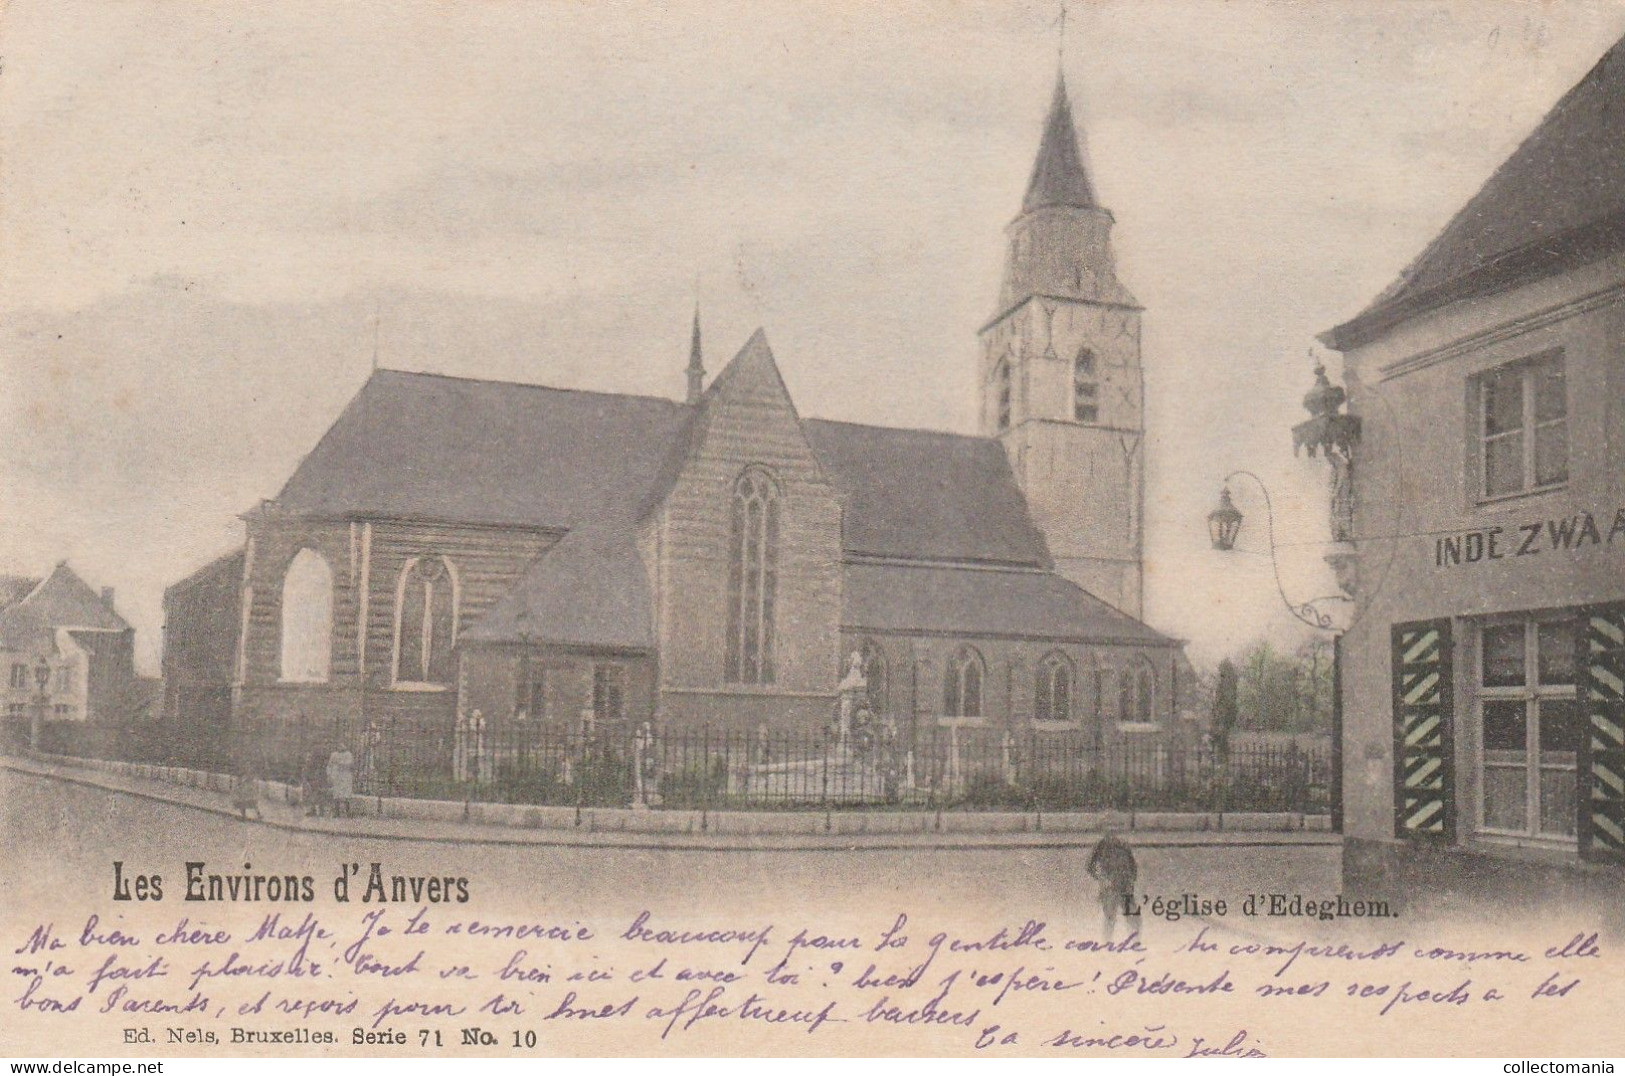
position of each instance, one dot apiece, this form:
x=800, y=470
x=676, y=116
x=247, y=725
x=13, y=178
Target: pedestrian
x=1112, y=864
x=245, y=794
x=341, y=780
x=314, y=782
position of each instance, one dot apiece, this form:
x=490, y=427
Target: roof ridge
x=504, y=383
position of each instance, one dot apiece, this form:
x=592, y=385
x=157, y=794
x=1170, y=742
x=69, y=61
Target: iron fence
x=544, y=763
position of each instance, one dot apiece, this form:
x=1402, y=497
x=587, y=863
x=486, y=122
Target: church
x=455, y=547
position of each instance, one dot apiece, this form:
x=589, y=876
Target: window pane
x=1504, y=790
x=1503, y=401
x=1504, y=729
x=1555, y=646
x=1503, y=655
x=1062, y=710
x=1559, y=730
x=973, y=688
x=1557, y=802
x=1551, y=398
x=1551, y=453
x=1503, y=465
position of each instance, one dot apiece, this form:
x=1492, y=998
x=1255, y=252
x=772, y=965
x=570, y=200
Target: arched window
x=1002, y=377
x=962, y=696
x=1105, y=692
x=1054, y=696
x=752, y=578
x=426, y=622
x=874, y=672
x=1137, y=693
x=307, y=619
x=1085, y=387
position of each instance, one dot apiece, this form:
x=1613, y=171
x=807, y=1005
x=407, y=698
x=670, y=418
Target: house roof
x=1557, y=202
x=14, y=588
x=989, y=602
x=60, y=600
x=1059, y=177
x=423, y=446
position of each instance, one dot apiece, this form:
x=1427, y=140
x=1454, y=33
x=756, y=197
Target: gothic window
x=1002, y=376
x=962, y=696
x=1054, y=698
x=752, y=579
x=1136, y=690
x=608, y=693
x=307, y=619
x=426, y=622
x=1085, y=387
x=874, y=672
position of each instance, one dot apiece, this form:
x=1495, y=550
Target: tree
x=1225, y=709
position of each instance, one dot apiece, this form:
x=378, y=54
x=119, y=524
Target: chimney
x=107, y=597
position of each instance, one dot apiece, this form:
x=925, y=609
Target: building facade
x=58, y=629
x=455, y=549
x=1481, y=677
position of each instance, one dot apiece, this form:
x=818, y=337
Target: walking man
x=1112, y=864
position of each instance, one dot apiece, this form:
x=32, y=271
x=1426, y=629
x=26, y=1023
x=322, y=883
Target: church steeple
x=1059, y=175
x=696, y=367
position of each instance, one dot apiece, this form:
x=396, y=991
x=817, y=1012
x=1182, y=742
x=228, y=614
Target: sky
x=214, y=218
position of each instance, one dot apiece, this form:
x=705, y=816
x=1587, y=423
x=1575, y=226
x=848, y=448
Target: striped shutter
x=1424, y=782
x=1602, y=751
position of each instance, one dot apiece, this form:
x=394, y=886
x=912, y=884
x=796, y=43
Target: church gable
x=747, y=544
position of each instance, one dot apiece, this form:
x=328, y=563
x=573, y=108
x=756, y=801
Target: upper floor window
x=962, y=695
x=752, y=578
x=307, y=618
x=1522, y=418
x=64, y=679
x=1002, y=376
x=1137, y=693
x=1054, y=697
x=19, y=674
x=1085, y=387
x=426, y=622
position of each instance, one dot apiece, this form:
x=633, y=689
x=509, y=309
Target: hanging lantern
x=1224, y=523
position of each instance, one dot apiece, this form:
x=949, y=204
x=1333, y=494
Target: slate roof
x=61, y=600
x=423, y=446
x=1557, y=202
x=590, y=589
x=971, y=601
x=1059, y=177
x=926, y=495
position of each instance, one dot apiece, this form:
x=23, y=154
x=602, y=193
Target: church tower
x=1061, y=381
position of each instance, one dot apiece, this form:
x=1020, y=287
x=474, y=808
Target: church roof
x=590, y=589
x=988, y=602
x=1557, y=202
x=1059, y=176
x=424, y=446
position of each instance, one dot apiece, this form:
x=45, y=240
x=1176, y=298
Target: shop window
x=1522, y=438
x=1530, y=728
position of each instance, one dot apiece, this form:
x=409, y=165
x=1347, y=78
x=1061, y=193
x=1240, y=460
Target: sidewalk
x=510, y=824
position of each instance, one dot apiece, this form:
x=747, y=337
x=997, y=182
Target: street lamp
x=1224, y=523
x=42, y=677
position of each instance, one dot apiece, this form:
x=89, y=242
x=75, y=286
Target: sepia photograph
x=1017, y=528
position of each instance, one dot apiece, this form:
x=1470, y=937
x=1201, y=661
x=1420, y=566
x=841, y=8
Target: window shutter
x=1424, y=778
x=1602, y=746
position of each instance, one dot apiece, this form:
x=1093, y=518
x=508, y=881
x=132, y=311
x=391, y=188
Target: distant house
x=60, y=624
x=1482, y=703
